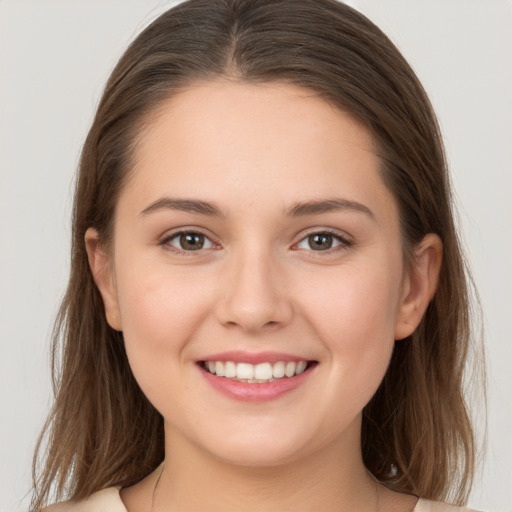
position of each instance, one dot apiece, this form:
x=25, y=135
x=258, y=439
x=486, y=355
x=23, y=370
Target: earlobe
x=101, y=268
x=420, y=285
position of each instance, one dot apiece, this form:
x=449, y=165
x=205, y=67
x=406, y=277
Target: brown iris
x=320, y=241
x=191, y=241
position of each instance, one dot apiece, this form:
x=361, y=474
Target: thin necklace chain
x=377, y=493
x=377, y=498
x=156, y=487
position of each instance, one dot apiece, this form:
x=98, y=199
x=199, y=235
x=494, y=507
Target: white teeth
x=278, y=370
x=263, y=372
x=229, y=369
x=301, y=366
x=289, y=369
x=219, y=368
x=244, y=371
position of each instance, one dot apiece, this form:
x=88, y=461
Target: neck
x=330, y=479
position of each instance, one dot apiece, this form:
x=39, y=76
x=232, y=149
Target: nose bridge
x=254, y=296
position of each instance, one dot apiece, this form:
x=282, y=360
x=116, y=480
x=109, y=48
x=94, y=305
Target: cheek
x=158, y=298
x=354, y=315
x=160, y=312
x=358, y=299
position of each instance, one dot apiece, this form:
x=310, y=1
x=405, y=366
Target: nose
x=253, y=294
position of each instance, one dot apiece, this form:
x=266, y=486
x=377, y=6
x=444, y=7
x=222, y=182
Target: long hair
x=416, y=433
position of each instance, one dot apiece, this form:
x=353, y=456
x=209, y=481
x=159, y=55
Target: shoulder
x=437, y=506
x=106, y=500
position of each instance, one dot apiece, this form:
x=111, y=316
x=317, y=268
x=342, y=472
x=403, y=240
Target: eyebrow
x=185, y=205
x=326, y=206
x=300, y=209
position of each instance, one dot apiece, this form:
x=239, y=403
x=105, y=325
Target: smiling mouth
x=256, y=373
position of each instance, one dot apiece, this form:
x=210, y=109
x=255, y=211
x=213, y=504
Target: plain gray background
x=54, y=59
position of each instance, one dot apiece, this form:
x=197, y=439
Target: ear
x=102, y=272
x=419, y=285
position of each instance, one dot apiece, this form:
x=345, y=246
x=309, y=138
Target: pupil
x=192, y=241
x=320, y=242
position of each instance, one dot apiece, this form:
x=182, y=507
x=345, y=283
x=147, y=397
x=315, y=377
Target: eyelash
x=343, y=242
x=165, y=242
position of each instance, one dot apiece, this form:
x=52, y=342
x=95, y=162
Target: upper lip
x=238, y=356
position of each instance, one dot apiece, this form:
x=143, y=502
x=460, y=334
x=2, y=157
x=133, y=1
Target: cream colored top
x=108, y=500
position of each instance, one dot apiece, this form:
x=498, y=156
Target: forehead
x=257, y=115
x=223, y=139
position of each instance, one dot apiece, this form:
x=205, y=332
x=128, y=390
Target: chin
x=266, y=446
x=258, y=456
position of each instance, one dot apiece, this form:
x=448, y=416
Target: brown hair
x=416, y=434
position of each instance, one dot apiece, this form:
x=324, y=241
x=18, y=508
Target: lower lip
x=257, y=392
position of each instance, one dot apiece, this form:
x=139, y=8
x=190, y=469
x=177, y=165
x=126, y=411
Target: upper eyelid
x=342, y=235
x=170, y=234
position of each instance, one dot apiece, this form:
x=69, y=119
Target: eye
x=189, y=241
x=322, y=241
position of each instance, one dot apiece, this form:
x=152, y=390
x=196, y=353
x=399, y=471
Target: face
x=256, y=272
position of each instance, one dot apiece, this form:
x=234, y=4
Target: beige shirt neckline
x=109, y=500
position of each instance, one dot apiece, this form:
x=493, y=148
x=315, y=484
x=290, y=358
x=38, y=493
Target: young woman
x=268, y=307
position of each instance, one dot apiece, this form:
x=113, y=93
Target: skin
x=256, y=151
